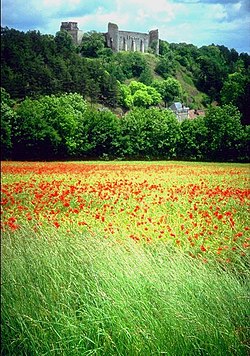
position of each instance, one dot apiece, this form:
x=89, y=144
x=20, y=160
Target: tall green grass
x=92, y=296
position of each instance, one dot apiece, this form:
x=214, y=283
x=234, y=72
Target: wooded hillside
x=59, y=101
x=34, y=64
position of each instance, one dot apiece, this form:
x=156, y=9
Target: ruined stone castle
x=119, y=40
x=73, y=30
x=131, y=41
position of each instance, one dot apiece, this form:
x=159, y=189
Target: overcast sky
x=200, y=22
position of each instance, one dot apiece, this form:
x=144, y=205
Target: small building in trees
x=180, y=110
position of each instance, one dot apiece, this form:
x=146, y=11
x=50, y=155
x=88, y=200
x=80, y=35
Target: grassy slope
x=193, y=95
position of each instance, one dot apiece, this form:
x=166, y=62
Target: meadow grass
x=135, y=258
x=86, y=295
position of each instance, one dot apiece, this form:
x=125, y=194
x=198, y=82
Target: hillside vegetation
x=65, y=101
x=34, y=64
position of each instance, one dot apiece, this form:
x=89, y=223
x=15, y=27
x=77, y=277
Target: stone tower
x=112, y=37
x=73, y=30
x=154, y=40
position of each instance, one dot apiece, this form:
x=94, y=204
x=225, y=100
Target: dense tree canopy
x=92, y=44
x=170, y=90
x=33, y=64
x=41, y=118
x=49, y=127
x=67, y=127
x=138, y=94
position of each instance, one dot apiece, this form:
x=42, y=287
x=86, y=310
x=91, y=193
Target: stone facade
x=131, y=41
x=180, y=110
x=119, y=40
x=73, y=30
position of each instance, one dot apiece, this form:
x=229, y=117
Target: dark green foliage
x=213, y=71
x=92, y=44
x=146, y=76
x=49, y=127
x=193, y=145
x=65, y=127
x=64, y=43
x=218, y=136
x=236, y=91
x=164, y=67
x=99, y=132
x=149, y=133
x=33, y=64
x=186, y=55
x=126, y=65
x=7, y=118
x=47, y=123
x=226, y=136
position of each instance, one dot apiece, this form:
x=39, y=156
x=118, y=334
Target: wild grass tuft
x=83, y=295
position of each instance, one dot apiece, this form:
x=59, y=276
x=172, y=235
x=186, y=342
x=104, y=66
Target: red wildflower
x=203, y=248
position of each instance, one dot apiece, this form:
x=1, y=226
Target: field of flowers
x=201, y=208
x=125, y=258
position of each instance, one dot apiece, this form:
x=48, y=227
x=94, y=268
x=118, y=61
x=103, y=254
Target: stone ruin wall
x=118, y=40
x=131, y=41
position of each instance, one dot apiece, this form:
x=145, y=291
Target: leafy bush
x=149, y=133
x=193, y=139
x=99, y=133
x=138, y=94
x=65, y=127
x=49, y=127
x=7, y=118
x=225, y=133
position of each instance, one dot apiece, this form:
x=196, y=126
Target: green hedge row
x=66, y=127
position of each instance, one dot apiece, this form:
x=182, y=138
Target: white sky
x=200, y=22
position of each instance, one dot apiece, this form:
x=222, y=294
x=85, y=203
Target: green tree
x=149, y=133
x=100, y=131
x=146, y=76
x=233, y=88
x=193, y=142
x=164, y=48
x=213, y=71
x=138, y=94
x=224, y=133
x=64, y=43
x=49, y=127
x=169, y=89
x=7, y=118
x=164, y=67
x=109, y=90
x=142, y=98
x=92, y=44
x=236, y=90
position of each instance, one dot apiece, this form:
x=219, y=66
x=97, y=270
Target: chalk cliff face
x=119, y=40
x=131, y=41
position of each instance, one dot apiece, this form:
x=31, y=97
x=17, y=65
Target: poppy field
x=135, y=235
x=200, y=209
